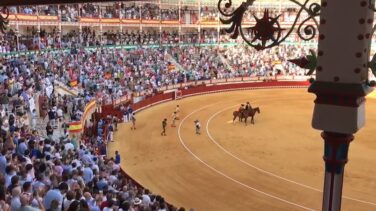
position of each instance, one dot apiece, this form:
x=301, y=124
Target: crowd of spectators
x=209, y=14
x=209, y=36
x=130, y=11
x=170, y=14
x=69, y=13
x=50, y=10
x=189, y=37
x=189, y=15
x=272, y=61
x=50, y=38
x=170, y=37
x=27, y=10
x=89, y=10
x=8, y=42
x=149, y=11
x=41, y=166
x=111, y=11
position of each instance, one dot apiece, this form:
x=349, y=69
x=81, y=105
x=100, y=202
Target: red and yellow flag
x=75, y=127
x=171, y=67
x=107, y=76
x=73, y=83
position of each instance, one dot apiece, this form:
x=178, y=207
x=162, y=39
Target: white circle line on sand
x=225, y=175
x=264, y=171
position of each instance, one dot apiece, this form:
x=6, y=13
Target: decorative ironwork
x=309, y=62
x=4, y=19
x=236, y=16
x=267, y=29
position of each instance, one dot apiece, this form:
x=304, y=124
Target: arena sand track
x=275, y=164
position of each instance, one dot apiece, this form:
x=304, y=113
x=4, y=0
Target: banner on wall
x=90, y=20
x=151, y=21
x=110, y=20
x=27, y=17
x=209, y=22
x=48, y=18
x=171, y=22
x=131, y=21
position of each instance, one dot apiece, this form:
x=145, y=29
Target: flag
x=73, y=83
x=108, y=75
x=171, y=67
x=75, y=127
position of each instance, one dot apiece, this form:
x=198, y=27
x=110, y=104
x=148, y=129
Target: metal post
x=17, y=37
x=335, y=157
x=80, y=36
x=120, y=26
x=340, y=89
x=199, y=21
x=100, y=26
x=140, y=18
x=38, y=34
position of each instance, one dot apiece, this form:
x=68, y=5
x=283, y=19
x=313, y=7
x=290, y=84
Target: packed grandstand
x=56, y=59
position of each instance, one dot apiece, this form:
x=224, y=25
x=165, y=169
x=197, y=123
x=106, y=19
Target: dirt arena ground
x=275, y=164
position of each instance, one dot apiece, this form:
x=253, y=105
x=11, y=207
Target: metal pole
x=340, y=89
x=335, y=157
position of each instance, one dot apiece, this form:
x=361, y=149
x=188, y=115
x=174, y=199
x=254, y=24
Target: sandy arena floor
x=275, y=164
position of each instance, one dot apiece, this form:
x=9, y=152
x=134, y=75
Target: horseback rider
x=248, y=106
x=241, y=108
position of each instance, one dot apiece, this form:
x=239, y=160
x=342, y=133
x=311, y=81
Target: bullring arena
x=275, y=164
x=88, y=87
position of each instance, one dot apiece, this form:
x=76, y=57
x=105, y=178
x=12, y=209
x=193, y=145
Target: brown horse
x=244, y=114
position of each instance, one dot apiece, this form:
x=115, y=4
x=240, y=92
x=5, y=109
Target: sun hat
x=137, y=201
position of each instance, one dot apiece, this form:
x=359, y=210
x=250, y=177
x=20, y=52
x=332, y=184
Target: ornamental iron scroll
x=4, y=14
x=267, y=32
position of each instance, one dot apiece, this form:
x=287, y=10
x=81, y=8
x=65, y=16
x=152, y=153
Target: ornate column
x=341, y=65
x=336, y=147
x=341, y=86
